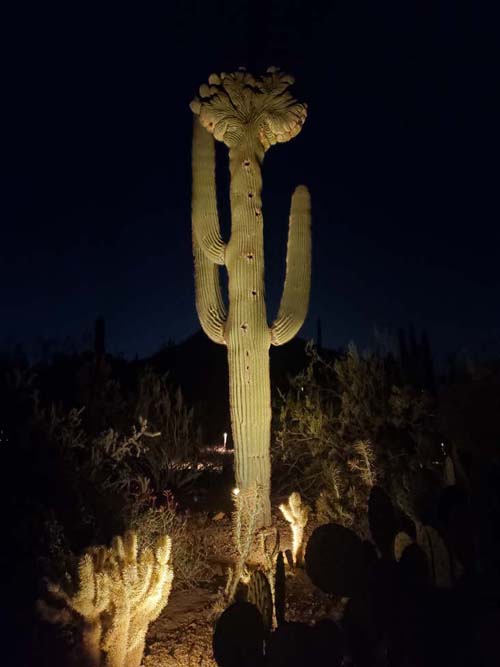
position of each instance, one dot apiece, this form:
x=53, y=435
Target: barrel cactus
x=248, y=114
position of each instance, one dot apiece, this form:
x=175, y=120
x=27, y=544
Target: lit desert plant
x=346, y=424
x=297, y=515
x=112, y=598
x=248, y=114
x=190, y=555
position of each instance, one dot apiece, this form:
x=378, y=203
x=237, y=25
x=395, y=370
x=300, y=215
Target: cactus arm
x=209, y=304
x=208, y=248
x=204, y=201
x=295, y=298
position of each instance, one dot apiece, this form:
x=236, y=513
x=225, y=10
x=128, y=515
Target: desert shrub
x=92, y=480
x=346, y=487
x=189, y=554
x=170, y=460
x=346, y=424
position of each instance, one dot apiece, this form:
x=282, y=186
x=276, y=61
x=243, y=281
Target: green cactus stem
x=248, y=114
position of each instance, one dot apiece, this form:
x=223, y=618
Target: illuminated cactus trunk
x=248, y=115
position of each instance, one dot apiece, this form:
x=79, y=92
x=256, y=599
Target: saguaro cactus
x=248, y=114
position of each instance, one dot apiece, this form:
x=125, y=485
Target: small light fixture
x=224, y=436
x=236, y=491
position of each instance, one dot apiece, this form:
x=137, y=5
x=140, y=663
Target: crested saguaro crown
x=234, y=105
x=248, y=114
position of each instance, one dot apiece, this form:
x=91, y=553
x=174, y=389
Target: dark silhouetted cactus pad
x=437, y=554
x=401, y=541
x=259, y=594
x=280, y=589
x=290, y=645
x=405, y=524
x=362, y=628
x=238, y=639
x=458, y=522
x=328, y=644
x=335, y=560
x=414, y=567
x=382, y=520
x=370, y=553
x=385, y=589
x=452, y=500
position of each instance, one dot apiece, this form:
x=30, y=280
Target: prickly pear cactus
x=239, y=636
x=449, y=475
x=260, y=595
x=401, y=541
x=414, y=567
x=382, y=520
x=336, y=560
x=280, y=589
x=437, y=555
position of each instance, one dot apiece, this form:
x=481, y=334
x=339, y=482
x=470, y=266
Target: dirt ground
x=182, y=635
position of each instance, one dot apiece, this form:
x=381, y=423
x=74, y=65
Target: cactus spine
x=248, y=114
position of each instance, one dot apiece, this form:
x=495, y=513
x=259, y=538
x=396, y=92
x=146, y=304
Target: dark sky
x=399, y=150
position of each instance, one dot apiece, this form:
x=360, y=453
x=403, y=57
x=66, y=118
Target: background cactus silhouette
x=248, y=114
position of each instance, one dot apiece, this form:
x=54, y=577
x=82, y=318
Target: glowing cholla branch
x=248, y=114
x=297, y=515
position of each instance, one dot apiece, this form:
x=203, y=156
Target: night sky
x=399, y=151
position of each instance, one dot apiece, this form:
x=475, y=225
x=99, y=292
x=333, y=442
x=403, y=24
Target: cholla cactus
x=297, y=515
x=115, y=596
x=248, y=114
x=86, y=597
